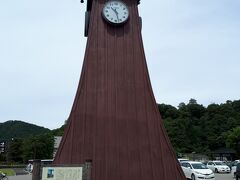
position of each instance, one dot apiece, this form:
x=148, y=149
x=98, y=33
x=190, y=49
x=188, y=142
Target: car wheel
x=193, y=177
x=216, y=170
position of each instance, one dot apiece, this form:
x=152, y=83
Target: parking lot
x=20, y=177
x=224, y=176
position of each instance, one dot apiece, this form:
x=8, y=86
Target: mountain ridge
x=20, y=129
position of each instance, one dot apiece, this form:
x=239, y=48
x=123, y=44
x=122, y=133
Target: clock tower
x=115, y=123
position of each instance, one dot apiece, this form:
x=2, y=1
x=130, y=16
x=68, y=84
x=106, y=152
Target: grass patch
x=8, y=172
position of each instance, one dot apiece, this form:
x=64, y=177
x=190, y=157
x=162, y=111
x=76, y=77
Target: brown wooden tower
x=115, y=122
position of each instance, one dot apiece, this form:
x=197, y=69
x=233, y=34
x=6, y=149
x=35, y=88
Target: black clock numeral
x=116, y=12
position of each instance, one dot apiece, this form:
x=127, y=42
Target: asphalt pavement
x=224, y=176
x=20, y=177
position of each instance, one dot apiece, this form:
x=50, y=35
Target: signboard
x=62, y=173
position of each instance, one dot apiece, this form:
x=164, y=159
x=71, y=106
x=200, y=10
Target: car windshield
x=220, y=163
x=199, y=166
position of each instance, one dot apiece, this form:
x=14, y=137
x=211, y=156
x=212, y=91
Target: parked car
x=218, y=167
x=229, y=164
x=205, y=162
x=238, y=171
x=196, y=170
x=234, y=165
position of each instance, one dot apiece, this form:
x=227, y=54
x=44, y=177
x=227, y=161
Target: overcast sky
x=192, y=49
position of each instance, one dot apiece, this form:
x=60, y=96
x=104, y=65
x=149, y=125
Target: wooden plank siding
x=115, y=122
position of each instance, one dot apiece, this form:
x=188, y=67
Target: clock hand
x=115, y=13
x=113, y=9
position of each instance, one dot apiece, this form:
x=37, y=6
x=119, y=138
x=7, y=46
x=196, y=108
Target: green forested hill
x=19, y=129
x=195, y=128
x=191, y=128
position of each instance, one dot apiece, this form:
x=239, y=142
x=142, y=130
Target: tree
x=58, y=131
x=177, y=129
x=195, y=128
x=38, y=147
x=233, y=140
x=192, y=101
x=167, y=111
x=14, y=150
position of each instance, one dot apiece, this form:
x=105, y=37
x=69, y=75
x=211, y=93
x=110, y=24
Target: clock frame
x=115, y=12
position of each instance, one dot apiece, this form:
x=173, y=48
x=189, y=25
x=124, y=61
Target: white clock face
x=115, y=12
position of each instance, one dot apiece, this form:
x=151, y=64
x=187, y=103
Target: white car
x=234, y=165
x=196, y=170
x=218, y=167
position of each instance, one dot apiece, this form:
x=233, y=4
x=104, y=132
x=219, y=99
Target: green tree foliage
x=58, y=131
x=191, y=128
x=38, y=147
x=233, y=139
x=195, y=128
x=2, y=157
x=14, y=150
x=32, y=142
x=19, y=129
